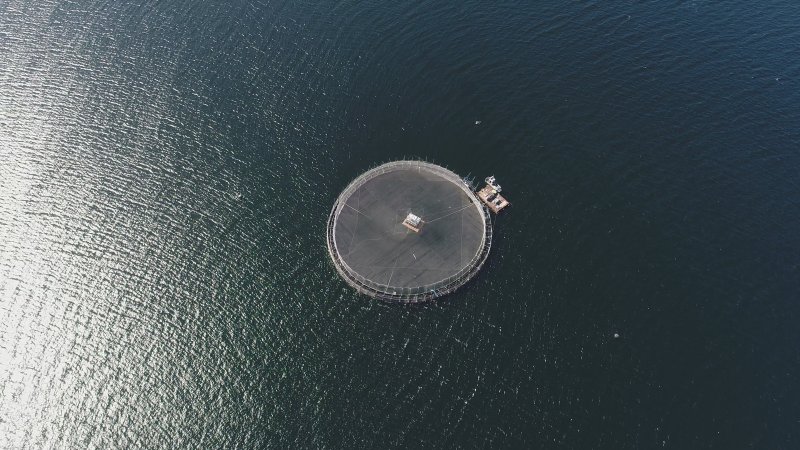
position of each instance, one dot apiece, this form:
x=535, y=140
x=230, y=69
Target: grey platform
x=376, y=254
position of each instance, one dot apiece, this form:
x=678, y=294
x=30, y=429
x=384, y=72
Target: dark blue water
x=167, y=167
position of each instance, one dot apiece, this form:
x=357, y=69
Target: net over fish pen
x=408, y=231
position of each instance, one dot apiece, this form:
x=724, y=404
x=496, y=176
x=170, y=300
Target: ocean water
x=167, y=168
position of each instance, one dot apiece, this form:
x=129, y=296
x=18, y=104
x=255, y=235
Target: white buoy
x=616, y=335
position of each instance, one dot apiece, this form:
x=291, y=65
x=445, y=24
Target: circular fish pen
x=408, y=232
